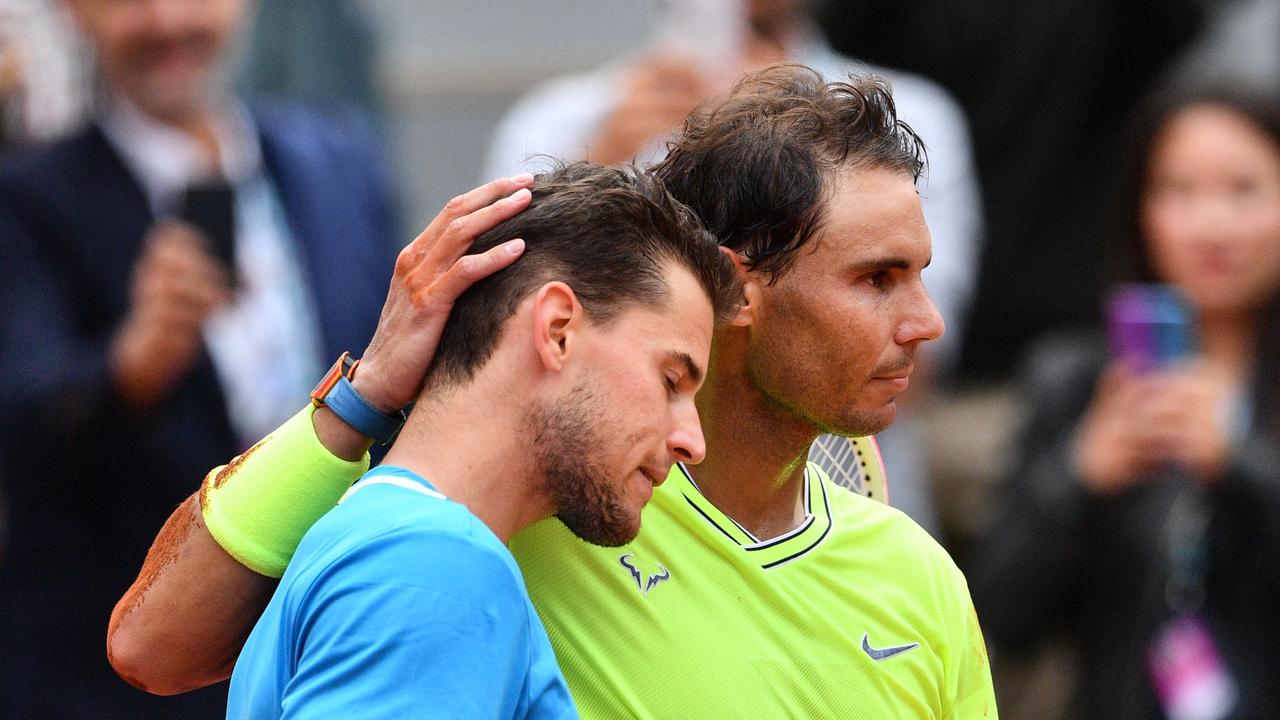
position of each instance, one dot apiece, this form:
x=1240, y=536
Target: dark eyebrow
x=885, y=263
x=690, y=367
x=879, y=264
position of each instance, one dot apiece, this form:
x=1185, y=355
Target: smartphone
x=211, y=209
x=1149, y=326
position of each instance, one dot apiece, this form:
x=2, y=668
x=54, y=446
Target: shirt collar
x=165, y=161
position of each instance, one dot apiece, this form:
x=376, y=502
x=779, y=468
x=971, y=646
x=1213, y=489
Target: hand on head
x=430, y=274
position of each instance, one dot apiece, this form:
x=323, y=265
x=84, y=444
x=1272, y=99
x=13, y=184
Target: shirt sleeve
x=412, y=625
x=971, y=693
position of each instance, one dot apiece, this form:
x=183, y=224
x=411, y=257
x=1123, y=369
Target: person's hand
x=176, y=284
x=1108, y=452
x=1139, y=423
x=431, y=272
x=658, y=93
x=1182, y=412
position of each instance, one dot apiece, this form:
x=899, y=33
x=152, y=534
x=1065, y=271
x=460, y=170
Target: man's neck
x=200, y=128
x=167, y=155
x=198, y=124
x=476, y=453
x=756, y=452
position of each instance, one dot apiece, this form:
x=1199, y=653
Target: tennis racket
x=853, y=463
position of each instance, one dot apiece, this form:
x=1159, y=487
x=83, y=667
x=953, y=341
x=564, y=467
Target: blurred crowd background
x=1073, y=144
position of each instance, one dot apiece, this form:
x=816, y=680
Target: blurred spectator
x=42, y=91
x=321, y=52
x=1047, y=85
x=135, y=358
x=626, y=110
x=1144, y=497
x=1240, y=40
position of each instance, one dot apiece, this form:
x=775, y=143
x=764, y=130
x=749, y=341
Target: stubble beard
x=809, y=405
x=181, y=102
x=564, y=435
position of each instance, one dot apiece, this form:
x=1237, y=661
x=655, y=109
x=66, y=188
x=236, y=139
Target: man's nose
x=922, y=321
x=685, y=442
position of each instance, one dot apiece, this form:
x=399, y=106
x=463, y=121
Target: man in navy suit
x=126, y=337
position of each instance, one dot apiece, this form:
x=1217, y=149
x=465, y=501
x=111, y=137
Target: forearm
x=207, y=577
x=210, y=571
x=182, y=623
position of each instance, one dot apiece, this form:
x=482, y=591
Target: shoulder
x=304, y=130
x=53, y=164
x=390, y=533
x=53, y=191
x=849, y=506
x=896, y=542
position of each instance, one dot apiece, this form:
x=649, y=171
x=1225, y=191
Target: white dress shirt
x=265, y=345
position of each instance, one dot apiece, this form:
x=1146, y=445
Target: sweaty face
x=605, y=444
x=1211, y=211
x=163, y=54
x=834, y=338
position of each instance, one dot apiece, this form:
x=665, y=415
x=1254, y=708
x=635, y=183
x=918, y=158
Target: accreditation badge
x=1188, y=673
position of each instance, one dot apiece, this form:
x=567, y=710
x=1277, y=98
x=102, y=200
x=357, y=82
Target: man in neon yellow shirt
x=756, y=588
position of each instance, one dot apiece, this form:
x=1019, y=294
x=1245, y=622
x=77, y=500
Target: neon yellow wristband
x=260, y=504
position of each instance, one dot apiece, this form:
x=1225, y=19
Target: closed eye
x=682, y=365
x=671, y=383
x=878, y=280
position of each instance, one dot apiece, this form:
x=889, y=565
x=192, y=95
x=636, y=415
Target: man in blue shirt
x=402, y=604
x=562, y=385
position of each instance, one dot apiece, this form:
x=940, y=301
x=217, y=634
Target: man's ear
x=557, y=318
x=750, y=282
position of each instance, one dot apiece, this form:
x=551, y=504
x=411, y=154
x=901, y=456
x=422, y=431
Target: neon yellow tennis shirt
x=857, y=614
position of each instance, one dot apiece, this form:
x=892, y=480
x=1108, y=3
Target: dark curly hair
x=757, y=163
x=608, y=233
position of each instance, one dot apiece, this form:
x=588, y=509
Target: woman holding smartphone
x=1143, y=516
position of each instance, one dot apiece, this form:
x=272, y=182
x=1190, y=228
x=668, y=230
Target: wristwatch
x=336, y=392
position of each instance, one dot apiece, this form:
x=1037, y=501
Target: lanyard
x=1187, y=549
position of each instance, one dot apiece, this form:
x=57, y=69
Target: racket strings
x=841, y=460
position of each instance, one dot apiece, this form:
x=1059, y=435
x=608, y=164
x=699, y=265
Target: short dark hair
x=608, y=233
x=756, y=164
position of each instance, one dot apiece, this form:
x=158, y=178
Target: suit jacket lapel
x=301, y=192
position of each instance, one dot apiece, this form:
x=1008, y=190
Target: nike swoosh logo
x=879, y=654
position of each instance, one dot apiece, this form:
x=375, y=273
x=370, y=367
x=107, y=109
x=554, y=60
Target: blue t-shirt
x=399, y=603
